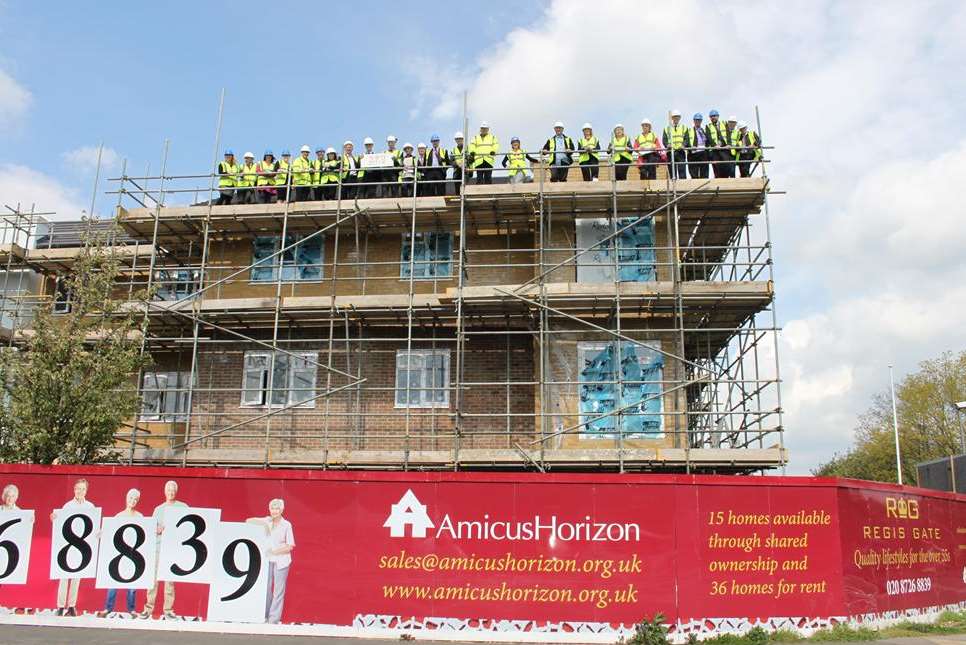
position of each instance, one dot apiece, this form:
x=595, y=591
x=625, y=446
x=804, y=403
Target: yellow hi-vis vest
x=282, y=177
x=265, y=178
x=516, y=162
x=484, y=149
x=717, y=133
x=346, y=167
x=620, y=148
x=749, y=140
x=317, y=171
x=248, y=176
x=675, y=136
x=585, y=156
x=227, y=174
x=330, y=171
x=456, y=155
x=647, y=141
x=302, y=171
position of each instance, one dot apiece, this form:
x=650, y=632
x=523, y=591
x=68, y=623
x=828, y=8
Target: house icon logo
x=408, y=511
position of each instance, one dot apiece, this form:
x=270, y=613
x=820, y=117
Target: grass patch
x=653, y=632
x=844, y=633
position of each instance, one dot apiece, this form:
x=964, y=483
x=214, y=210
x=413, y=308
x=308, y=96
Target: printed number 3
x=201, y=551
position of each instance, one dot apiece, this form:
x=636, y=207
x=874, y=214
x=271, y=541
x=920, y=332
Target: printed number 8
x=129, y=551
x=76, y=541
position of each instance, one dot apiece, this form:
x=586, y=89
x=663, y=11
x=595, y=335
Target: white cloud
x=24, y=187
x=15, y=100
x=862, y=104
x=85, y=158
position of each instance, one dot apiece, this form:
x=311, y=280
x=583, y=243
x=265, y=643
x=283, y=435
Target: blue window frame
x=640, y=372
x=431, y=256
x=302, y=262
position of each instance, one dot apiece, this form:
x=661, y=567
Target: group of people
x=277, y=528
x=724, y=147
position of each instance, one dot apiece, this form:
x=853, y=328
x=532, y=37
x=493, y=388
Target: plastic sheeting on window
x=176, y=285
x=303, y=262
x=636, y=257
x=430, y=257
x=640, y=372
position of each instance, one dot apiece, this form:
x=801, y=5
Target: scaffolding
x=610, y=325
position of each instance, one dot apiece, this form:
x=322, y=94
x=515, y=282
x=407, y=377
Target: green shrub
x=648, y=632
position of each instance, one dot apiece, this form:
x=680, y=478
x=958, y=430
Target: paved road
x=23, y=635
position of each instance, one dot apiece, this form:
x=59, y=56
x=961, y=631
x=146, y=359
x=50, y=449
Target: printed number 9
x=13, y=553
x=201, y=551
x=76, y=541
x=129, y=551
x=250, y=574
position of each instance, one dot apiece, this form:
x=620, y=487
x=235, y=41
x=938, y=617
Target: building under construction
x=606, y=325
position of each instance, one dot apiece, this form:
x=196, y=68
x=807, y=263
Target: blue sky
x=863, y=101
x=132, y=74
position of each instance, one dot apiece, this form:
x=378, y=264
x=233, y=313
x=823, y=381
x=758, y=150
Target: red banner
x=392, y=550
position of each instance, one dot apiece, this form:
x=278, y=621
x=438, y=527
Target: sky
x=863, y=101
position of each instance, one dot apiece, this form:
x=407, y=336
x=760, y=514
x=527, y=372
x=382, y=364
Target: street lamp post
x=962, y=434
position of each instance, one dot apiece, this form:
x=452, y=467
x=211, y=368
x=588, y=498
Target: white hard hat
x=347, y=142
x=391, y=138
x=742, y=125
x=484, y=124
x=586, y=126
x=305, y=149
x=645, y=121
x=331, y=149
x=407, y=145
x=675, y=112
x=619, y=125
x=249, y=155
x=420, y=145
x=367, y=141
x=732, y=119
x=458, y=135
x=558, y=124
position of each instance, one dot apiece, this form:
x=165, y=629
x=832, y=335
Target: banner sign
x=377, y=160
x=470, y=551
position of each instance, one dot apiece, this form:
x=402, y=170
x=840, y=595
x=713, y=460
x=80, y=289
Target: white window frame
x=420, y=356
x=260, y=400
x=171, y=404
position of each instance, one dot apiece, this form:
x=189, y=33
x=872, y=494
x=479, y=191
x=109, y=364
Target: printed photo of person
x=170, y=500
x=10, y=496
x=130, y=506
x=67, y=587
x=282, y=542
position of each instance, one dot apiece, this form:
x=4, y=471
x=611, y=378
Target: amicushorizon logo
x=409, y=511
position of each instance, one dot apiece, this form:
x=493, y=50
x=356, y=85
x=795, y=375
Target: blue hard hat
x=713, y=113
x=698, y=117
x=286, y=153
x=268, y=153
x=435, y=137
x=229, y=152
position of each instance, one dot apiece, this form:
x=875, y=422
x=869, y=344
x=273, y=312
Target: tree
x=71, y=386
x=928, y=424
